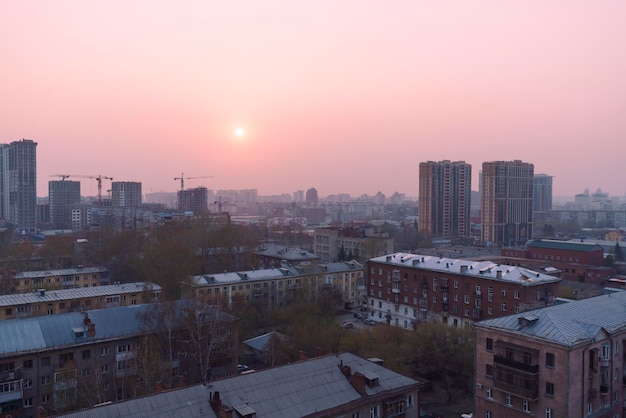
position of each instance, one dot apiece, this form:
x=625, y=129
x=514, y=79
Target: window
x=124, y=348
x=507, y=400
x=409, y=400
x=45, y=361
x=549, y=389
x=550, y=360
x=489, y=344
x=28, y=402
x=27, y=384
x=356, y=415
x=489, y=370
x=503, y=292
x=490, y=310
x=104, y=368
x=28, y=364
x=86, y=372
x=466, y=299
x=516, y=294
x=104, y=351
x=434, y=283
x=526, y=406
x=456, y=284
x=489, y=393
x=86, y=354
x=616, y=347
x=548, y=413
x=488, y=414
x=45, y=380
x=503, y=307
x=45, y=398
x=374, y=412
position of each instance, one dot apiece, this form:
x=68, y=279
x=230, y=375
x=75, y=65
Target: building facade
x=406, y=289
x=43, y=302
x=444, y=198
x=279, y=286
x=126, y=194
x=565, y=360
x=70, y=278
x=361, y=243
x=75, y=360
x=507, y=202
x=19, y=184
x=542, y=193
x=193, y=200
x=63, y=195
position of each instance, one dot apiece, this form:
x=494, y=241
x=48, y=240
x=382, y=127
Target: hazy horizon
x=346, y=97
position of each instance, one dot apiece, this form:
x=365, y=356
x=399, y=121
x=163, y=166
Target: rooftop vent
x=527, y=320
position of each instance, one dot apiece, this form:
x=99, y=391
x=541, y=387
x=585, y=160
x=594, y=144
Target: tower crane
x=97, y=177
x=182, y=179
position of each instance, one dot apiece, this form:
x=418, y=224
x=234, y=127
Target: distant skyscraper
x=193, y=200
x=507, y=202
x=298, y=196
x=19, y=184
x=311, y=196
x=126, y=194
x=63, y=195
x=444, y=198
x=542, y=194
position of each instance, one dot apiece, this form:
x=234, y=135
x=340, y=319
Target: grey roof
x=191, y=402
x=259, y=343
x=479, y=269
x=273, y=273
x=60, y=272
x=568, y=323
x=285, y=253
x=572, y=245
x=290, y=391
x=55, y=331
x=78, y=293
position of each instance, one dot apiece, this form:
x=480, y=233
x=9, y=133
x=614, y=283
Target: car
x=347, y=324
x=369, y=321
x=242, y=368
x=363, y=308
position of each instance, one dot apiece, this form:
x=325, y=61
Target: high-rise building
x=125, y=194
x=63, y=195
x=193, y=200
x=507, y=202
x=444, y=198
x=19, y=184
x=542, y=194
x=311, y=196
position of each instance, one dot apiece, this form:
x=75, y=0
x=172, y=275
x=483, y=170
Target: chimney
x=347, y=372
x=358, y=382
x=215, y=401
x=86, y=319
x=225, y=412
x=498, y=274
x=91, y=329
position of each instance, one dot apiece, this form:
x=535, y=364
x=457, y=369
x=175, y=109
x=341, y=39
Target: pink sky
x=344, y=96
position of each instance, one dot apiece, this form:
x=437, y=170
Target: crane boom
x=98, y=177
x=182, y=179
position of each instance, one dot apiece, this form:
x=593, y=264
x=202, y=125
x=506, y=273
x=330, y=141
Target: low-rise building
x=27, y=281
x=341, y=385
x=360, y=243
x=56, y=363
x=278, y=286
x=405, y=289
x=565, y=360
x=51, y=302
x=273, y=255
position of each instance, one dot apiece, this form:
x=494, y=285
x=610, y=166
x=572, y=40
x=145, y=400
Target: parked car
x=363, y=308
x=369, y=321
x=347, y=324
x=242, y=368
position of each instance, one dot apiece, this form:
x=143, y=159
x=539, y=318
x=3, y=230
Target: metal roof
x=54, y=331
x=60, y=272
x=568, y=323
x=479, y=269
x=564, y=245
x=78, y=293
x=259, y=343
x=290, y=391
x=285, y=252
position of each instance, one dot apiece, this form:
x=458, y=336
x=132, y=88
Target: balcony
x=527, y=368
x=395, y=290
x=11, y=391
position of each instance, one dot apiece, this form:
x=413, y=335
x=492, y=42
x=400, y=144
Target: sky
x=347, y=96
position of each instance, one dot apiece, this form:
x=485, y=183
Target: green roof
x=565, y=245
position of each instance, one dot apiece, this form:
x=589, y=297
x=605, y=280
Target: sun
x=239, y=132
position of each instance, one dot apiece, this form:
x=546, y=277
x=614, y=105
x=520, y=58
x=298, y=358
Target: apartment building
x=405, y=289
x=444, y=198
x=274, y=255
x=52, y=302
x=507, y=202
x=57, y=363
x=565, y=360
x=126, y=194
x=27, y=281
x=341, y=385
x=63, y=195
x=360, y=243
x=18, y=184
x=278, y=286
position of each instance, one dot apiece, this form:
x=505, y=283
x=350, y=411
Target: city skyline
x=345, y=97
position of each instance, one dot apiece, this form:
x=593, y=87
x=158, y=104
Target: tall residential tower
x=126, y=194
x=507, y=202
x=444, y=198
x=19, y=184
x=63, y=195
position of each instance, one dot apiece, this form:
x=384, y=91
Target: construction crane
x=182, y=179
x=97, y=177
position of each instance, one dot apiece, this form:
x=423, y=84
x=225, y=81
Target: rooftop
x=578, y=245
x=481, y=269
x=43, y=295
x=60, y=272
x=568, y=323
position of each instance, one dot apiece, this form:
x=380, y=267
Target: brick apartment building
x=405, y=289
x=565, y=360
